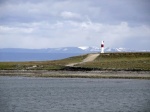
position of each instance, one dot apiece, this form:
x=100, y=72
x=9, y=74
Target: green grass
x=40, y=65
x=121, y=61
x=106, y=61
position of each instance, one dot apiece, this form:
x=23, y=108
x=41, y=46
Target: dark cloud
x=110, y=12
x=83, y=21
x=115, y=11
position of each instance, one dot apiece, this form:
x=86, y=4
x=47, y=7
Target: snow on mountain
x=90, y=49
x=19, y=54
x=120, y=50
x=81, y=49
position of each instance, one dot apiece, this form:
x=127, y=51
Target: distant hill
x=20, y=54
x=81, y=49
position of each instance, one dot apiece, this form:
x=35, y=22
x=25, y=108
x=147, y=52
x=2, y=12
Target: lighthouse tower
x=102, y=47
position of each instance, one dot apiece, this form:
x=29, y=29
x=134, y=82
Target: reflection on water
x=20, y=94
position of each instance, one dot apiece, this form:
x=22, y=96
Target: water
x=20, y=94
x=5, y=57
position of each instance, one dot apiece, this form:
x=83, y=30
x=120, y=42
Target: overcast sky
x=63, y=23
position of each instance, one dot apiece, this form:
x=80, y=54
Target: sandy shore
x=78, y=74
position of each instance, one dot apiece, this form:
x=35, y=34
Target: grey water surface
x=10, y=57
x=24, y=94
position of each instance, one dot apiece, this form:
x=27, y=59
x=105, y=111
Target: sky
x=37, y=24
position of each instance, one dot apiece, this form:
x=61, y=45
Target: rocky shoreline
x=78, y=74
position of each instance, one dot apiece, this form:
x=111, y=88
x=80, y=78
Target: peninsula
x=107, y=65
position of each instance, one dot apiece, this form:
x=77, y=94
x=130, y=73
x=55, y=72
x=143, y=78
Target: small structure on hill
x=102, y=47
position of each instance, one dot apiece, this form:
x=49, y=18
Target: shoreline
x=109, y=74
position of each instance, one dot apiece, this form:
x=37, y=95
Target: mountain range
x=20, y=54
x=81, y=49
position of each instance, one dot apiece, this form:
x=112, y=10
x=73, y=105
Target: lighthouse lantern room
x=102, y=47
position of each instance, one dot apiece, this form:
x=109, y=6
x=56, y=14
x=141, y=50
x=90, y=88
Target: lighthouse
x=102, y=47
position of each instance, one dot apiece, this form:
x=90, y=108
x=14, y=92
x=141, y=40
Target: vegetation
x=40, y=65
x=106, y=61
x=120, y=61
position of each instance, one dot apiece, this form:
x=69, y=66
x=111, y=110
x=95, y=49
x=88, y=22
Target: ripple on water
x=20, y=94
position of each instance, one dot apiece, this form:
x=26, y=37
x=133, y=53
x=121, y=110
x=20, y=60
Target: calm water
x=20, y=94
x=34, y=56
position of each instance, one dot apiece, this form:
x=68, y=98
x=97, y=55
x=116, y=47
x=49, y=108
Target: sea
x=31, y=94
x=11, y=56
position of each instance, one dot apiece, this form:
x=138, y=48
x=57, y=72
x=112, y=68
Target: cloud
x=103, y=11
x=59, y=23
x=67, y=14
x=73, y=33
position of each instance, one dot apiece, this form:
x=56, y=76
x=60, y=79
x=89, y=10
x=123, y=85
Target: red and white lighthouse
x=102, y=47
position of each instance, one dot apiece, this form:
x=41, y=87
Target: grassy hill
x=40, y=65
x=106, y=61
x=120, y=61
